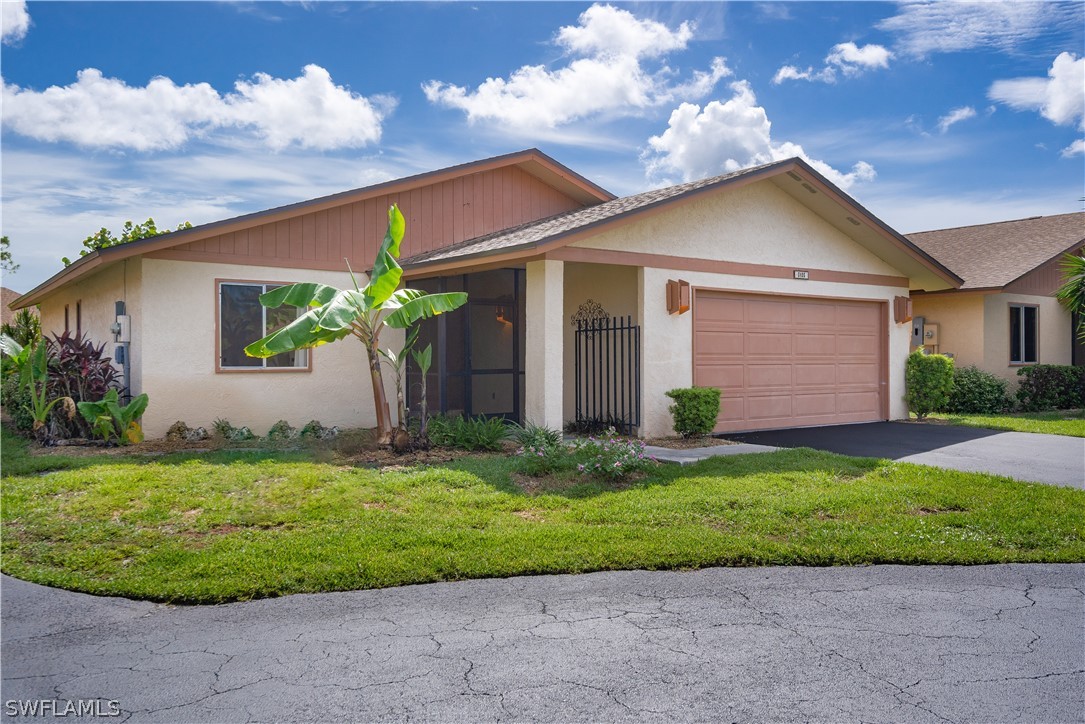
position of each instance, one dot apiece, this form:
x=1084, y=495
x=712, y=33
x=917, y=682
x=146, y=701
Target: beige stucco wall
x=975, y=327
x=97, y=295
x=178, y=359
x=960, y=324
x=614, y=288
x=756, y=224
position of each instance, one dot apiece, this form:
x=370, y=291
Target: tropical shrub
x=80, y=370
x=977, y=392
x=1051, y=387
x=467, y=433
x=222, y=428
x=114, y=422
x=532, y=435
x=16, y=402
x=542, y=458
x=611, y=456
x=24, y=328
x=928, y=382
x=695, y=410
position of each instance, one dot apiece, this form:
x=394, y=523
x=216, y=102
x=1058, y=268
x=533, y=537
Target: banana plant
x=34, y=375
x=109, y=419
x=423, y=359
x=334, y=314
x=14, y=354
x=397, y=361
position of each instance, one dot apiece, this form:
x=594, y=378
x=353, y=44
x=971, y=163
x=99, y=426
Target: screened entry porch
x=478, y=350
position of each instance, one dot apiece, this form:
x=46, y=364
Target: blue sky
x=930, y=114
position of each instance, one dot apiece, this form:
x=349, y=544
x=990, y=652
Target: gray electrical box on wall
x=917, y=331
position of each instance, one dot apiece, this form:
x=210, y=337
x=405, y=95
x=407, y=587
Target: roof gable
x=793, y=176
x=992, y=256
x=442, y=207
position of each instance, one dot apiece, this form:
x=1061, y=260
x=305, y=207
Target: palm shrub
x=928, y=382
x=1072, y=291
x=977, y=392
x=695, y=410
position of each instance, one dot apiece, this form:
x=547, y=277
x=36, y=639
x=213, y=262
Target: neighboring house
x=7, y=297
x=1004, y=316
x=770, y=283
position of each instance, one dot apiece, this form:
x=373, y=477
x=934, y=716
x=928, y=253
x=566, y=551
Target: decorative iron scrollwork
x=588, y=312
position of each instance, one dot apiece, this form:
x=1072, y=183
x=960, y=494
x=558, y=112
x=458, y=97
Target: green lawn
x=1071, y=423
x=231, y=525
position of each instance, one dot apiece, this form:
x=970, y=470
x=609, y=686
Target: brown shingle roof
x=535, y=232
x=993, y=255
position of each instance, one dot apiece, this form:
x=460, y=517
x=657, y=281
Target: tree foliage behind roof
x=104, y=238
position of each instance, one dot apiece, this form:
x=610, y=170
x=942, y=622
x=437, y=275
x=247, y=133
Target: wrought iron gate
x=607, y=372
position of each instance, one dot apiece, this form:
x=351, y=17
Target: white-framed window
x=242, y=320
x=1024, y=334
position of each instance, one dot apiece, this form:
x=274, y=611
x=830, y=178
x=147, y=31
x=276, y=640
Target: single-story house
x=770, y=283
x=1005, y=315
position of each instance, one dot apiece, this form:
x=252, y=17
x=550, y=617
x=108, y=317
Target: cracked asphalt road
x=880, y=643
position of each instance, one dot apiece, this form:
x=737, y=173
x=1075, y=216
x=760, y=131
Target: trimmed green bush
x=1051, y=387
x=928, y=381
x=695, y=410
x=977, y=392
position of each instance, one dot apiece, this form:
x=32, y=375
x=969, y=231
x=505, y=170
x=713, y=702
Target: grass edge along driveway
x=235, y=526
x=1070, y=423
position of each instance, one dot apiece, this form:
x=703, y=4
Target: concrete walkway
x=692, y=455
x=880, y=643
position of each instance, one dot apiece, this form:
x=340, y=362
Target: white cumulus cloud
x=727, y=136
x=14, y=21
x=607, y=75
x=1060, y=98
x=955, y=116
x=847, y=58
x=1073, y=149
x=309, y=111
x=945, y=27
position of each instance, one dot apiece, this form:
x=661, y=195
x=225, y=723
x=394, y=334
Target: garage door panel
x=768, y=343
x=823, y=345
x=719, y=343
x=864, y=402
x=815, y=405
x=769, y=313
x=724, y=376
x=722, y=310
x=807, y=375
x=768, y=375
x=767, y=407
x=815, y=314
x=786, y=362
x=865, y=316
x=859, y=374
x=856, y=345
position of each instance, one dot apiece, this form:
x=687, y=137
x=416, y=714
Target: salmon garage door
x=789, y=361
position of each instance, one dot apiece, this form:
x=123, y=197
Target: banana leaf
x=412, y=305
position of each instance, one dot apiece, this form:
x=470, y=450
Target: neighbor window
x=1024, y=329
x=243, y=320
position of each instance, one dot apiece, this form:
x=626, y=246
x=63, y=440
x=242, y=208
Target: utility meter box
x=917, y=332
x=122, y=330
x=930, y=335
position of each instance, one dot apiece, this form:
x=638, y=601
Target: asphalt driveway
x=1053, y=459
x=879, y=643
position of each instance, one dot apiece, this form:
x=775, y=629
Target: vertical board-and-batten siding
x=437, y=215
